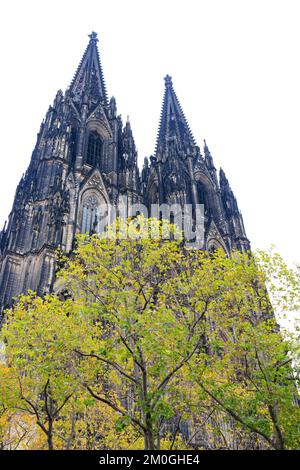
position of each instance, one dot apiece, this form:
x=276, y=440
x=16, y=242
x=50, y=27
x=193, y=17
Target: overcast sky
x=236, y=71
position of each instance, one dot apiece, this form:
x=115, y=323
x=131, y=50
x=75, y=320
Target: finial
x=128, y=126
x=206, y=149
x=223, y=179
x=93, y=36
x=168, y=81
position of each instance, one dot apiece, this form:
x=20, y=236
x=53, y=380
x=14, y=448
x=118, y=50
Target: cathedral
x=85, y=157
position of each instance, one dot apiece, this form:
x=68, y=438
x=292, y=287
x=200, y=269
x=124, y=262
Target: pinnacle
x=223, y=179
x=206, y=150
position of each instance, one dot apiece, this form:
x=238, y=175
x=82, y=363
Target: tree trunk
x=149, y=440
x=278, y=437
x=50, y=435
x=148, y=434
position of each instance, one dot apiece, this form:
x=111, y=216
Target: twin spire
x=88, y=87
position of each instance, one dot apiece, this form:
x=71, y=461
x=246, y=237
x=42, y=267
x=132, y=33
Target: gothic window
x=93, y=149
x=90, y=214
x=201, y=192
x=203, y=197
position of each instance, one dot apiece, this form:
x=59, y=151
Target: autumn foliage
x=148, y=344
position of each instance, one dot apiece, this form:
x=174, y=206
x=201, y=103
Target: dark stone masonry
x=84, y=157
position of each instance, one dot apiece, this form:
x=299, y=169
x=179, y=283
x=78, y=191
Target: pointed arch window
x=201, y=192
x=203, y=197
x=90, y=214
x=93, y=149
x=93, y=209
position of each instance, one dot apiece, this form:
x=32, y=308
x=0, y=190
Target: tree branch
x=237, y=417
x=62, y=405
x=168, y=377
x=115, y=407
x=111, y=363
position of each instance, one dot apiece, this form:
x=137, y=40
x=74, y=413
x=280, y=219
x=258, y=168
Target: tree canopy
x=149, y=344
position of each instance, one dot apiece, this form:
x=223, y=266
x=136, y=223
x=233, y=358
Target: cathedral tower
x=85, y=158
x=179, y=174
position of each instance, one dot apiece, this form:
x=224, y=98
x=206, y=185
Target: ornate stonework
x=85, y=156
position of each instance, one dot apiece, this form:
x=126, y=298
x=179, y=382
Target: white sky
x=236, y=71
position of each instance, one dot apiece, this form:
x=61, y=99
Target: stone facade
x=85, y=157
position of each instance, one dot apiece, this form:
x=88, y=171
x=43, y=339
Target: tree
x=38, y=360
x=250, y=373
x=156, y=309
x=146, y=309
x=159, y=312
x=149, y=340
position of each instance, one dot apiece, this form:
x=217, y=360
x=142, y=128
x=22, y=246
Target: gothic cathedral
x=85, y=157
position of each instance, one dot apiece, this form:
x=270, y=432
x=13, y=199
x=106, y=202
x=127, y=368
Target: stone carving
x=95, y=181
x=58, y=185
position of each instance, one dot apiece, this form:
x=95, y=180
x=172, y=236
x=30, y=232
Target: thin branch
x=262, y=370
x=202, y=424
x=193, y=326
x=237, y=417
x=175, y=433
x=33, y=407
x=38, y=421
x=62, y=405
x=138, y=363
x=111, y=363
x=115, y=407
x=46, y=399
x=168, y=377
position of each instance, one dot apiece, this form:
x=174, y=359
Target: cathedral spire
x=173, y=124
x=88, y=82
